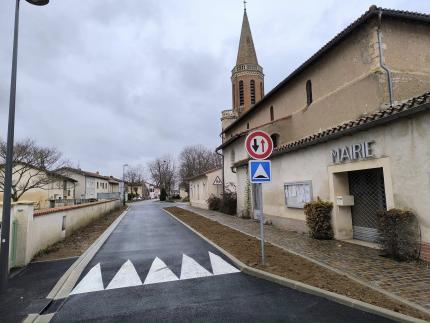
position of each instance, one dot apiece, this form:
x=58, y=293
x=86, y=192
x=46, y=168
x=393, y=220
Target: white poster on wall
x=297, y=194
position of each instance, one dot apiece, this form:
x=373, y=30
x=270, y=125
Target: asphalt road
x=154, y=268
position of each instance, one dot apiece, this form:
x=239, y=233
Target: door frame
x=339, y=185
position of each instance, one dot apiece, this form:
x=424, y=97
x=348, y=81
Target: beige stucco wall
x=401, y=148
x=201, y=188
x=36, y=232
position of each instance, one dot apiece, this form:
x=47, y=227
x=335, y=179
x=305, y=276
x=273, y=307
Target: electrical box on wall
x=345, y=200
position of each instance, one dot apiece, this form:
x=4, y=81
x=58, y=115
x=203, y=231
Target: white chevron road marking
x=220, y=266
x=92, y=282
x=125, y=277
x=159, y=273
x=191, y=269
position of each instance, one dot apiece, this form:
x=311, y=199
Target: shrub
x=214, y=203
x=229, y=203
x=186, y=199
x=163, y=194
x=318, y=219
x=399, y=234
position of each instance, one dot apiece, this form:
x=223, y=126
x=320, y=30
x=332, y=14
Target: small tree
x=134, y=178
x=163, y=194
x=33, y=167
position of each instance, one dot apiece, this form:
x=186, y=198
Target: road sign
x=217, y=181
x=260, y=171
x=259, y=145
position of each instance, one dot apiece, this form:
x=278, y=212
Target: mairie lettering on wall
x=353, y=152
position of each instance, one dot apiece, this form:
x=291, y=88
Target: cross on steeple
x=244, y=5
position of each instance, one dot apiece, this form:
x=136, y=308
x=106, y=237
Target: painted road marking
x=191, y=269
x=92, y=282
x=159, y=273
x=220, y=266
x=125, y=277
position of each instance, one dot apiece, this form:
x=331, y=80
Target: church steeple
x=246, y=53
x=247, y=76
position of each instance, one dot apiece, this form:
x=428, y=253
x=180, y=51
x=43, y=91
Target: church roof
x=371, y=13
x=404, y=109
x=246, y=53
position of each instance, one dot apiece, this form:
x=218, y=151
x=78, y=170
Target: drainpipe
x=381, y=60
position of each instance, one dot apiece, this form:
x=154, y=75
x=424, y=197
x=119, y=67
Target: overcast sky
x=109, y=82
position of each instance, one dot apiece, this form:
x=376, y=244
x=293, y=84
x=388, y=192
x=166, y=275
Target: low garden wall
x=36, y=230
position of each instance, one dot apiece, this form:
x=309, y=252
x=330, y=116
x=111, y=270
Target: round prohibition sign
x=259, y=145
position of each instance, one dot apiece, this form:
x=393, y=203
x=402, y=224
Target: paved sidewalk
x=410, y=281
x=28, y=289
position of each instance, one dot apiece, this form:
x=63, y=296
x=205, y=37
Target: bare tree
x=163, y=172
x=134, y=176
x=33, y=167
x=197, y=159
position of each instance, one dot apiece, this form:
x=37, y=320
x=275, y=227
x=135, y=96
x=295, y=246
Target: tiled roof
x=409, y=107
x=82, y=172
x=372, y=12
x=204, y=173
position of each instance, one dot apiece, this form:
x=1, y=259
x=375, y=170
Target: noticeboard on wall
x=297, y=194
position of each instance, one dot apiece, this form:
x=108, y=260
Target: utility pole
x=5, y=228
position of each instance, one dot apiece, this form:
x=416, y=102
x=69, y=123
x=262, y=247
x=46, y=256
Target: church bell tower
x=247, y=76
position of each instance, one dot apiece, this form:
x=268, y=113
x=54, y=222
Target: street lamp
x=5, y=228
x=123, y=183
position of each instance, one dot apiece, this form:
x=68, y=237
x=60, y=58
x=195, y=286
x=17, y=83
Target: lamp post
x=123, y=183
x=5, y=229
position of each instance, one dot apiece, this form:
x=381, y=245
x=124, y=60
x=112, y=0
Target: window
x=272, y=114
x=68, y=192
x=234, y=95
x=247, y=125
x=252, y=91
x=309, y=92
x=97, y=184
x=261, y=90
x=275, y=139
x=241, y=97
x=232, y=156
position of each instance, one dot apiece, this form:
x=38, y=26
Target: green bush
x=163, y=194
x=229, y=203
x=186, y=199
x=214, y=203
x=318, y=219
x=399, y=234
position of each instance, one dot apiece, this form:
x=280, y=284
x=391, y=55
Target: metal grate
x=367, y=187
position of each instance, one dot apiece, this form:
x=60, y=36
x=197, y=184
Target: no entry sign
x=259, y=145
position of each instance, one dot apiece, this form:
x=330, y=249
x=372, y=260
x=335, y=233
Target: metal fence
x=109, y=196
x=68, y=202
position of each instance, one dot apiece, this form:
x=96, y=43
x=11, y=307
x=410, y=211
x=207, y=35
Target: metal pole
x=5, y=229
x=123, y=185
x=261, y=218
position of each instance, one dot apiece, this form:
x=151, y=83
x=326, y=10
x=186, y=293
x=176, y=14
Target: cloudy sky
x=109, y=82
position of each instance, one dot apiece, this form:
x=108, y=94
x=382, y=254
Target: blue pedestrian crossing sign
x=260, y=171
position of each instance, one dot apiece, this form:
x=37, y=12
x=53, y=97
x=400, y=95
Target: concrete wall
x=40, y=229
x=201, y=188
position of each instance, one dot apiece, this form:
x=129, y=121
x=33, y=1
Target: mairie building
x=352, y=120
